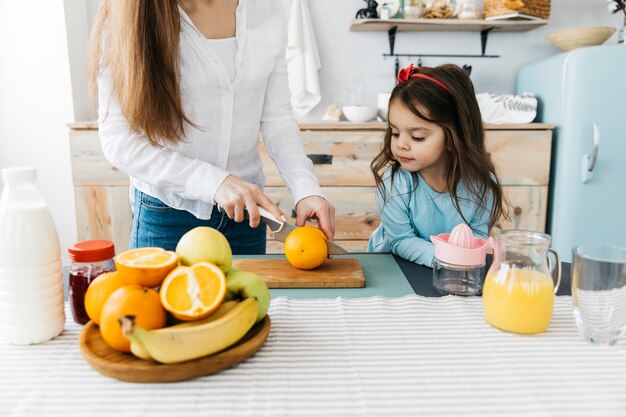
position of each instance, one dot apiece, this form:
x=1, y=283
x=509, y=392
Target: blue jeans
x=158, y=225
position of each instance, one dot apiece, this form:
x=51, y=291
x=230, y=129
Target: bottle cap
x=91, y=251
x=18, y=175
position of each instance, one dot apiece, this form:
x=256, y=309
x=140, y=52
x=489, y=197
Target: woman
x=184, y=89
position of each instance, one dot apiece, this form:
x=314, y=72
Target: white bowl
x=383, y=105
x=359, y=114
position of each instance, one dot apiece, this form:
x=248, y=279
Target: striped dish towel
x=376, y=356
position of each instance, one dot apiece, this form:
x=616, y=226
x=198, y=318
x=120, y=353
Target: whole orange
x=306, y=248
x=99, y=291
x=143, y=303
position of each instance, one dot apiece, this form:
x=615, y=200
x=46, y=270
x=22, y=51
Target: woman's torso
x=226, y=107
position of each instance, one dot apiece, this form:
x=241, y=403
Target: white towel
x=507, y=108
x=303, y=60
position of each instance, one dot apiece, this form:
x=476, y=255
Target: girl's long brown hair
x=457, y=112
x=137, y=41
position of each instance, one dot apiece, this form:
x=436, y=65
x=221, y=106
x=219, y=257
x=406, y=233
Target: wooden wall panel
x=104, y=213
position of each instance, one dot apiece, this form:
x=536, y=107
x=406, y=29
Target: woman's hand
x=316, y=207
x=236, y=195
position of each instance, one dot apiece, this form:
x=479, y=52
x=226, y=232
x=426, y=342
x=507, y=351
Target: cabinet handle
x=517, y=211
x=320, y=159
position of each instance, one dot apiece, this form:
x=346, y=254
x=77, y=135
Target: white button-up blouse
x=229, y=116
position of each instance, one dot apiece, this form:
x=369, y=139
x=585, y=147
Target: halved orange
x=145, y=266
x=193, y=292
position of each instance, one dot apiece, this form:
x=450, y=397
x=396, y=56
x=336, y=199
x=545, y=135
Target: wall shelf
x=392, y=26
x=408, y=25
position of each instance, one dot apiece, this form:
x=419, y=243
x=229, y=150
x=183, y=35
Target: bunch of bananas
x=194, y=339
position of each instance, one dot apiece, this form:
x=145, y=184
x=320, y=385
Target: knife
x=281, y=229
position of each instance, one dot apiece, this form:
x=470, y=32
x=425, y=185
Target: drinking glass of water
x=599, y=292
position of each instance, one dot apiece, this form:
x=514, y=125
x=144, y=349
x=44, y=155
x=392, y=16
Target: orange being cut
x=306, y=248
x=193, y=292
x=145, y=266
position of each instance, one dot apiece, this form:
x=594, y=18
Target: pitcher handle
x=552, y=263
x=491, y=243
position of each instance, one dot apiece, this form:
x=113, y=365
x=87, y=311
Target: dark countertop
x=420, y=278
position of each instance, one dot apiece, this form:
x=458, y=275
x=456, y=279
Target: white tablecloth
x=364, y=357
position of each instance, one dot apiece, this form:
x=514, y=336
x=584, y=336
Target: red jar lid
x=91, y=251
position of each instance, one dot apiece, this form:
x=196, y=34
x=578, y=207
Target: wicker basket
x=536, y=8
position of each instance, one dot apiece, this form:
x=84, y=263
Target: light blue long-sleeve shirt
x=410, y=215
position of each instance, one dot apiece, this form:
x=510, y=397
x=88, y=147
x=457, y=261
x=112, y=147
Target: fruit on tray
x=306, y=248
x=202, y=306
x=193, y=292
x=205, y=244
x=141, y=302
x=243, y=284
x=194, y=339
x=99, y=291
x=145, y=266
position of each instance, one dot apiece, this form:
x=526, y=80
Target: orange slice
x=193, y=292
x=145, y=266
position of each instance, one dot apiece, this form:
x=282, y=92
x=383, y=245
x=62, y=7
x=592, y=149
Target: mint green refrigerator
x=583, y=93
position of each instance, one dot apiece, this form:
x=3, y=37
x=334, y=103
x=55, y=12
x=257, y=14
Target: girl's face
x=418, y=145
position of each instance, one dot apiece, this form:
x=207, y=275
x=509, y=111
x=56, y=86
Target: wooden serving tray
x=127, y=367
x=278, y=273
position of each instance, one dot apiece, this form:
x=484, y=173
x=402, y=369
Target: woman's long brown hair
x=136, y=42
x=457, y=112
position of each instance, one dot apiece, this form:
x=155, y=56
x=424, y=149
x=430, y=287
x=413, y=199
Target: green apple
x=205, y=244
x=244, y=284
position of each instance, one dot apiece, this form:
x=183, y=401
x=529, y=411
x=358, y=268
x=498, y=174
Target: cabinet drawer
x=527, y=208
x=521, y=157
x=345, y=159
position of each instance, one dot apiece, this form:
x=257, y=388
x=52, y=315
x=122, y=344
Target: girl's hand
x=236, y=195
x=316, y=207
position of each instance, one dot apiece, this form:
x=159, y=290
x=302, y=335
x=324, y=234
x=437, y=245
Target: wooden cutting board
x=334, y=273
x=127, y=367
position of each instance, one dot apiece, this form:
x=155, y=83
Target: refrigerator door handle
x=589, y=162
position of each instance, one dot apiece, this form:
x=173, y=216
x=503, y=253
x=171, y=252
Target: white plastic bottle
x=31, y=285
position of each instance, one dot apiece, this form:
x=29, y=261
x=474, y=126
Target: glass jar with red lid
x=90, y=258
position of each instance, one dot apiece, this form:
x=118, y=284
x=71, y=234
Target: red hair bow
x=405, y=73
x=412, y=72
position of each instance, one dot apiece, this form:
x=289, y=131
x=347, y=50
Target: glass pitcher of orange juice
x=518, y=294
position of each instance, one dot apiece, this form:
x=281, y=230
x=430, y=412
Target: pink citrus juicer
x=459, y=262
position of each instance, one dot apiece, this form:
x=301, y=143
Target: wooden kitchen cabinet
x=342, y=153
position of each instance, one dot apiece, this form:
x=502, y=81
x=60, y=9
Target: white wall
x=36, y=102
x=347, y=56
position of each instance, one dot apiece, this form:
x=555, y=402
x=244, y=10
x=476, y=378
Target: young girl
x=437, y=172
